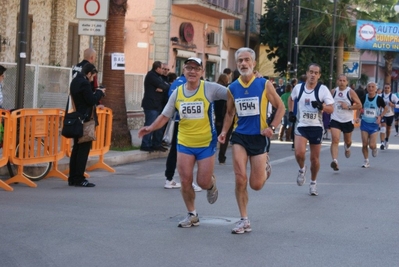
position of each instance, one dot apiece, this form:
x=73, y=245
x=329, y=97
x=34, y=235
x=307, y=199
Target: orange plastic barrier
x=5, y=118
x=102, y=143
x=38, y=132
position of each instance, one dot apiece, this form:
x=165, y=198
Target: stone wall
x=49, y=30
x=135, y=120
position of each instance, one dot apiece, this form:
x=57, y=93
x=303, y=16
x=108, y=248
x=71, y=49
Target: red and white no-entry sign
x=92, y=9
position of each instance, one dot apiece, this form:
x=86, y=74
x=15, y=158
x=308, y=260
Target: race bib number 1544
x=247, y=106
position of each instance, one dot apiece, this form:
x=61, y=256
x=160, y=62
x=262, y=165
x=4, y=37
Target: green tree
x=274, y=32
x=115, y=79
x=274, y=27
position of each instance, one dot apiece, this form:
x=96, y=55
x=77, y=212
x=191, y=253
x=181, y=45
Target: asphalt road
x=128, y=219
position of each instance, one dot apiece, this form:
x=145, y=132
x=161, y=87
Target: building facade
x=52, y=33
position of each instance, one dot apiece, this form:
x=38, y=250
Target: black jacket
x=83, y=97
x=153, y=100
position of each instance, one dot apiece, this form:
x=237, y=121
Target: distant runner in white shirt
x=386, y=122
x=345, y=102
x=313, y=99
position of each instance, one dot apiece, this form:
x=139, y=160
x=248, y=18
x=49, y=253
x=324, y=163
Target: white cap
x=195, y=59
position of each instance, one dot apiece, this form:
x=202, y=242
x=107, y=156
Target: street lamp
x=332, y=44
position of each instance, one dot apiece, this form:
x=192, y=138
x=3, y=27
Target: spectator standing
x=220, y=111
x=280, y=87
x=229, y=74
x=171, y=77
x=2, y=75
x=84, y=100
x=360, y=92
x=165, y=71
x=286, y=125
x=89, y=56
x=155, y=89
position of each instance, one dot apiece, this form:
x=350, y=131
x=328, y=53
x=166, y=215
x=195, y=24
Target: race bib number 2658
x=192, y=110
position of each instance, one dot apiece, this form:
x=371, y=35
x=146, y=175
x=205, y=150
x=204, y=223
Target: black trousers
x=78, y=161
x=172, y=156
x=223, y=147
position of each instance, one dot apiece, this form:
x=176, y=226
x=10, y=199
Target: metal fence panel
x=48, y=87
x=134, y=91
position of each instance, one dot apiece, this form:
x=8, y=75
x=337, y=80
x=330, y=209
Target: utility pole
x=290, y=29
x=333, y=44
x=21, y=67
x=298, y=19
x=247, y=23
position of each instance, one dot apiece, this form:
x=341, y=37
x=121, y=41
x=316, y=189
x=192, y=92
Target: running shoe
x=190, y=220
x=334, y=165
x=212, y=194
x=241, y=227
x=347, y=151
x=300, y=180
x=382, y=146
x=171, y=184
x=197, y=188
x=386, y=144
x=366, y=164
x=313, y=189
x=397, y=134
x=374, y=152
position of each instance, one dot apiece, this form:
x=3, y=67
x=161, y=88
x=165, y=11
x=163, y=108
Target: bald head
x=90, y=55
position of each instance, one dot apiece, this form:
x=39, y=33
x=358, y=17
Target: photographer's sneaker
x=242, y=226
x=190, y=220
x=171, y=184
x=197, y=188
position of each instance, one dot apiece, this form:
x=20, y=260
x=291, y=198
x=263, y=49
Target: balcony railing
x=238, y=25
x=222, y=9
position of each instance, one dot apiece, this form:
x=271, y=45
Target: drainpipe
x=168, y=25
x=21, y=67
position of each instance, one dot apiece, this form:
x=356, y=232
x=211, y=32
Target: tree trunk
x=114, y=80
x=389, y=57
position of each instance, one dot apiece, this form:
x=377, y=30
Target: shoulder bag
x=73, y=123
x=89, y=130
